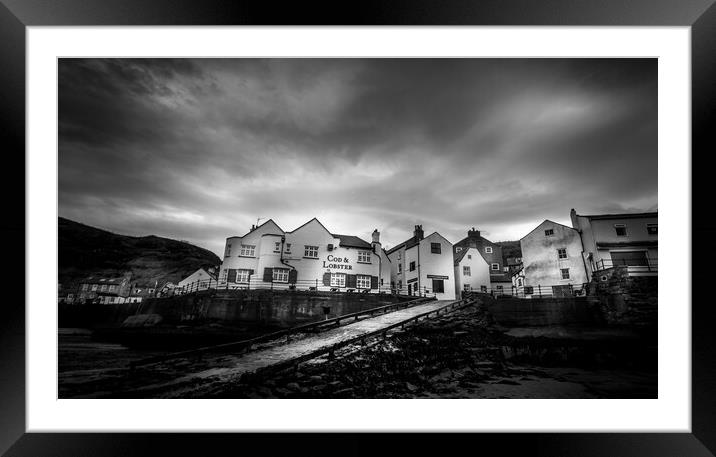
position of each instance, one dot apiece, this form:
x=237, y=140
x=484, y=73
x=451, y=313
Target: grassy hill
x=88, y=251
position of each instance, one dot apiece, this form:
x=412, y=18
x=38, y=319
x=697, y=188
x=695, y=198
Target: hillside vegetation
x=88, y=251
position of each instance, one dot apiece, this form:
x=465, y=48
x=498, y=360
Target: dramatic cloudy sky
x=198, y=149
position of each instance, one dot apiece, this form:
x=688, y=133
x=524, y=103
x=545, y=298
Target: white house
x=423, y=265
x=309, y=258
x=472, y=271
x=551, y=260
x=199, y=280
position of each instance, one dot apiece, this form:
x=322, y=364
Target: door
x=410, y=289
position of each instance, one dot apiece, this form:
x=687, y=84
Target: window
x=488, y=249
x=84, y=286
x=438, y=286
x=562, y=253
x=549, y=232
x=412, y=266
x=466, y=271
x=506, y=269
x=228, y=250
x=469, y=256
x=247, y=250
x=310, y=251
x=94, y=287
x=529, y=290
x=499, y=288
x=651, y=229
x=519, y=282
x=565, y=273
x=400, y=268
x=243, y=275
x=288, y=248
x=458, y=249
x=113, y=288
x=277, y=246
x=435, y=248
x=364, y=256
x=620, y=229
x=104, y=288
x=496, y=267
x=279, y=274
x=363, y=281
x=338, y=280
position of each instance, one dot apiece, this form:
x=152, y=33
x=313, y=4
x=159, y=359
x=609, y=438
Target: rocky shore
x=461, y=355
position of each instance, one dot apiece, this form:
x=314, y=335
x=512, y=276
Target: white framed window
x=562, y=253
x=506, y=269
x=549, y=232
x=243, y=275
x=519, y=282
x=279, y=274
x=277, y=246
x=364, y=256
x=288, y=248
x=495, y=267
x=469, y=257
x=458, y=249
x=310, y=252
x=104, y=288
x=652, y=229
x=620, y=229
x=564, y=272
x=363, y=282
x=248, y=250
x=338, y=280
x=94, y=287
x=488, y=249
x=466, y=271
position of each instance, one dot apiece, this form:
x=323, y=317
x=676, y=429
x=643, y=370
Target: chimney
x=418, y=233
x=376, y=236
x=472, y=233
x=253, y=227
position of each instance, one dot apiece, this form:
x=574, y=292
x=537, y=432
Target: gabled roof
x=458, y=256
x=251, y=231
x=314, y=219
x=547, y=220
x=409, y=243
x=351, y=241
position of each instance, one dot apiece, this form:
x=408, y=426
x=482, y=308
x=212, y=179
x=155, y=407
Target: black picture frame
x=16, y=15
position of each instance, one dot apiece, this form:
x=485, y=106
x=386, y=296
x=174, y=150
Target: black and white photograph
x=357, y=228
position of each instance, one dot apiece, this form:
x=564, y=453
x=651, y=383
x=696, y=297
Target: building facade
x=619, y=239
x=551, y=259
x=472, y=272
x=423, y=265
x=307, y=258
x=201, y=279
x=104, y=290
x=500, y=278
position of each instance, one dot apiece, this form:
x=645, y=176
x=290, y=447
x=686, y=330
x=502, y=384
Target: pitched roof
x=352, y=241
x=541, y=223
x=618, y=216
x=458, y=256
x=257, y=227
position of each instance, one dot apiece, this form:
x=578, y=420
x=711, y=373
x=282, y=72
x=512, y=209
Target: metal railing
x=313, y=285
x=528, y=291
x=244, y=346
x=635, y=264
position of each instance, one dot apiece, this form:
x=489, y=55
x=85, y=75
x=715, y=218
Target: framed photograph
x=418, y=219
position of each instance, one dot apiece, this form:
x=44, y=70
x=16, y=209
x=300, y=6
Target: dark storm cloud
x=197, y=149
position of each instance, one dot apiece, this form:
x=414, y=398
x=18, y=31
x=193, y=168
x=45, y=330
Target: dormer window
x=488, y=249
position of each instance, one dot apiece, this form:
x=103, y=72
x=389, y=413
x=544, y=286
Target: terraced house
x=307, y=258
x=500, y=278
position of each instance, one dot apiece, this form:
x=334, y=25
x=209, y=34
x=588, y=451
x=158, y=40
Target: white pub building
x=307, y=258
